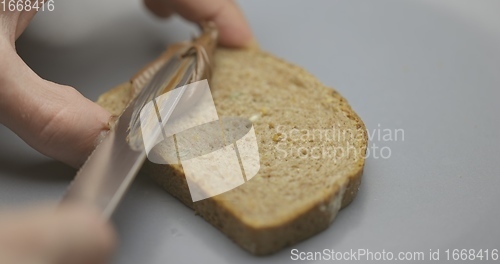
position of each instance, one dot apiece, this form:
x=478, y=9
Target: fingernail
x=110, y=125
x=112, y=121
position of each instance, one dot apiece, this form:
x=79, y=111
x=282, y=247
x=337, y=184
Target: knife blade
x=108, y=172
x=104, y=178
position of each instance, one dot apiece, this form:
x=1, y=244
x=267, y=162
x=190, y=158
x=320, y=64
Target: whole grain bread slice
x=312, y=148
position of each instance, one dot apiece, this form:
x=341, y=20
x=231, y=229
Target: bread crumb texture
x=312, y=150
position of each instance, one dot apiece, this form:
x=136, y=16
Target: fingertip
x=159, y=8
x=235, y=37
x=88, y=131
x=234, y=31
x=66, y=234
x=89, y=235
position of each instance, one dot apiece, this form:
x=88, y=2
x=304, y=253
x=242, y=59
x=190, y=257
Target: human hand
x=52, y=118
x=66, y=235
x=233, y=28
x=56, y=119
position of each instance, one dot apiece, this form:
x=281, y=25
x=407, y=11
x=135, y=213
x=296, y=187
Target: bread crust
x=258, y=238
x=258, y=241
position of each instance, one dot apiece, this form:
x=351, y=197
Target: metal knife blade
x=106, y=175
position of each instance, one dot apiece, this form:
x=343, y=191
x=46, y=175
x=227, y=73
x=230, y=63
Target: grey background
x=431, y=68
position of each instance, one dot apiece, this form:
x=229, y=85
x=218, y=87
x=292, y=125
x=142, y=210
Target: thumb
x=54, y=119
x=67, y=235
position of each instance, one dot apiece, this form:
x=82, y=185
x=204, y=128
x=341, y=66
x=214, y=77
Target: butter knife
x=108, y=172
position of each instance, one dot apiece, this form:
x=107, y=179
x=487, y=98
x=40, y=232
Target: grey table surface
x=430, y=68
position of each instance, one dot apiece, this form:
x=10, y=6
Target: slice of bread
x=312, y=148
